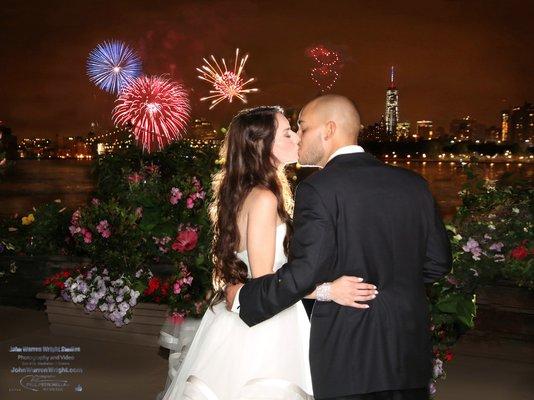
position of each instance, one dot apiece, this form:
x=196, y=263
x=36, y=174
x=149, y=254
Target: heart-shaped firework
x=325, y=73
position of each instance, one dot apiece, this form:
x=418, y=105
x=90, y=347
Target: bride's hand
x=350, y=291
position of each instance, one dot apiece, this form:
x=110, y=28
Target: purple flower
x=497, y=246
x=473, y=247
x=123, y=307
x=65, y=295
x=432, y=389
x=437, y=368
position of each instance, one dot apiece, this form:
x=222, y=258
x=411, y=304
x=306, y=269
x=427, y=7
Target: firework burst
x=325, y=72
x=226, y=83
x=157, y=109
x=112, y=65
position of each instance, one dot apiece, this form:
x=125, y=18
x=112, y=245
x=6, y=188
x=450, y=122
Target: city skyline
x=450, y=65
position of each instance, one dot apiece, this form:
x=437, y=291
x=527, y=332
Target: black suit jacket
x=361, y=217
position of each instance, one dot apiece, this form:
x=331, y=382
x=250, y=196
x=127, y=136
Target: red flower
x=186, y=240
x=153, y=285
x=448, y=356
x=177, y=318
x=520, y=252
x=165, y=289
x=57, y=279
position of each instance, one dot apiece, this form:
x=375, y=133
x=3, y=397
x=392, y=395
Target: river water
x=34, y=182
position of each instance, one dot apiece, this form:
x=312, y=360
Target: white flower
x=515, y=210
x=457, y=237
x=491, y=226
x=79, y=298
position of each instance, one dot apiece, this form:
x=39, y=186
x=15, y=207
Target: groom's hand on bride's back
x=351, y=291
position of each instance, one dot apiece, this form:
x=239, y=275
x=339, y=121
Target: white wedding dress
x=227, y=360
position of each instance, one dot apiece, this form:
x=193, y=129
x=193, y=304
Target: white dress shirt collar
x=353, y=148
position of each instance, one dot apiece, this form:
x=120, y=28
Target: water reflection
x=34, y=182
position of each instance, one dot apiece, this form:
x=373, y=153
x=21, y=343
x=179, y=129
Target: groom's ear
x=330, y=130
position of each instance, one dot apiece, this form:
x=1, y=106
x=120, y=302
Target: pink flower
x=186, y=240
x=87, y=235
x=177, y=287
x=162, y=242
x=103, y=228
x=190, y=203
x=95, y=201
x=176, y=195
x=197, y=184
x=76, y=215
x=188, y=280
x=135, y=178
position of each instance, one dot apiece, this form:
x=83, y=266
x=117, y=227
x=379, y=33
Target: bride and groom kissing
x=362, y=240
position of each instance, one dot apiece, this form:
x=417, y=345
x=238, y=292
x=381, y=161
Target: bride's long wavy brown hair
x=247, y=163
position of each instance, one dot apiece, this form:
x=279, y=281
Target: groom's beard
x=312, y=157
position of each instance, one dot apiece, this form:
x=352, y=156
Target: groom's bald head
x=339, y=110
x=326, y=124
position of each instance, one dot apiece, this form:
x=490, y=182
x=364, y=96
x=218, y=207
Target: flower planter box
x=505, y=311
x=23, y=285
x=69, y=319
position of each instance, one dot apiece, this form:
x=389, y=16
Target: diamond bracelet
x=323, y=292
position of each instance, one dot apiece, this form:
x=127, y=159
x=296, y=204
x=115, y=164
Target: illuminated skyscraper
x=392, y=106
x=425, y=130
x=403, y=131
x=505, y=125
x=518, y=124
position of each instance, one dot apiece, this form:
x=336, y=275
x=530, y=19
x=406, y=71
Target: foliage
x=491, y=239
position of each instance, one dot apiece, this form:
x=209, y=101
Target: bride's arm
x=341, y=291
x=261, y=232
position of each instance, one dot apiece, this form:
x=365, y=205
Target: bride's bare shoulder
x=260, y=200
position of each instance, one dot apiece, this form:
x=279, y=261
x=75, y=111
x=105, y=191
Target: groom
x=357, y=216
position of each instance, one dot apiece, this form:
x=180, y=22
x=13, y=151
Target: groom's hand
x=231, y=291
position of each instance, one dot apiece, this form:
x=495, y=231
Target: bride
x=251, y=215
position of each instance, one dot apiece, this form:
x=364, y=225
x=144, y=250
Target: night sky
x=453, y=58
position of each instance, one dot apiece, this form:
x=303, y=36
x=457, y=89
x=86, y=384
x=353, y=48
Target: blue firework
x=112, y=65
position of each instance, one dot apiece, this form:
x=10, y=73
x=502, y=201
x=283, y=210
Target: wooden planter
x=505, y=310
x=69, y=319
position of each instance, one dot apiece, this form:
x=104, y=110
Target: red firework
x=156, y=108
x=325, y=72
